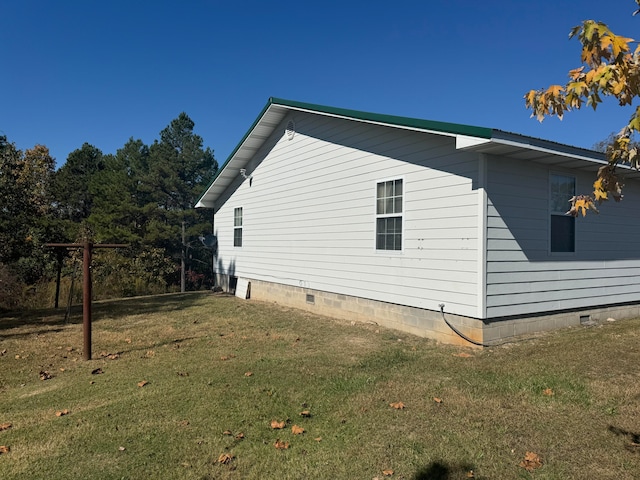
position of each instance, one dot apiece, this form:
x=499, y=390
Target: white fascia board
x=465, y=141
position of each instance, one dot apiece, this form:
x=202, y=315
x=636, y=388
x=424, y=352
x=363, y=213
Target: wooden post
x=87, y=248
x=86, y=299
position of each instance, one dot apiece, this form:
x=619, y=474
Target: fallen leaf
x=397, y=405
x=184, y=423
x=143, y=383
x=227, y=432
x=3, y=352
x=224, y=358
x=305, y=413
x=97, y=371
x=182, y=374
x=437, y=400
x=281, y=445
x=62, y=413
x=122, y=449
x=239, y=436
x=128, y=340
x=276, y=425
x=387, y=473
x=318, y=439
x=92, y=382
x=225, y=458
x=4, y=449
x=462, y=355
x=470, y=474
x=44, y=375
x=548, y=392
x=5, y=426
x=150, y=353
x=531, y=461
x=296, y=430
x=248, y=374
x=61, y=369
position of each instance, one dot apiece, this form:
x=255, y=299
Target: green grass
x=196, y=352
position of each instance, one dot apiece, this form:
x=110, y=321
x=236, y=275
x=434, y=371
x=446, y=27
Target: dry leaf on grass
x=239, y=436
x=305, y=413
x=387, y=473
x=280, y=445
x=531, y=461
x=397, y=405
x=248, y=374
x=277, y=425
x=4, y=449
x=470, y=474
x=548, y=392
x=97, y=371
x=5, y=426
x=227, y=432
x=143, y=383
x=437, y=400
x=62, y=413
x=44, y=375
x=296, y=430
x=318, y=439
x=225, y=458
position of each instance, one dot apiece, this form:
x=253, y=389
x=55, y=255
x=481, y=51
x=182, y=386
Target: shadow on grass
x=439, y=470
x=48, y=318
x=632, y=437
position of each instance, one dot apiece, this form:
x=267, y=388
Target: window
x=389, y=215
x=237, y=227
x=563, y=226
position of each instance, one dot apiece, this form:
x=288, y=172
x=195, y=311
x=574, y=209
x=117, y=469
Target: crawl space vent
x=291, y=129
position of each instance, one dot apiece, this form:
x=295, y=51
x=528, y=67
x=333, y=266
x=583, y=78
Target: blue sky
x=101, y=72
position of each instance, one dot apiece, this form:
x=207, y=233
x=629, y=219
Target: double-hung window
x=237, y=227
x=563, y=226
x=389, y=215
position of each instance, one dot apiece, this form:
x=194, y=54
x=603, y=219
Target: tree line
x=142, y=196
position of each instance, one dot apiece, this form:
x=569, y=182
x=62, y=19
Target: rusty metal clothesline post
x=87, y=248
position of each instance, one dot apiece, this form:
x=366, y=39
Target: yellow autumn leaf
x=548, y=392
x=554, y=91
x=142, y=383
x=397, y=405
x=296, y=430
x=387, y=473
x=620, y=44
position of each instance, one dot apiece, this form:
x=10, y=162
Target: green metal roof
x=451, y=128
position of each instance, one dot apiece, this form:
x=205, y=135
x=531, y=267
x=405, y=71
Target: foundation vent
x=311, y=299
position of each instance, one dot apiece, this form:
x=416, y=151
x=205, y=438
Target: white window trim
x=376, y=216
x=550, y=213
x=240, y=227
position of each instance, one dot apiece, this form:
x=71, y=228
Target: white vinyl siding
x=524, y=276
x=313, y=215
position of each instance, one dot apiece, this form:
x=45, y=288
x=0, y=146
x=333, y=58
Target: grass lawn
x=219, y=371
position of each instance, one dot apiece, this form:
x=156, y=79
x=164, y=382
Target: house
x=447, y=231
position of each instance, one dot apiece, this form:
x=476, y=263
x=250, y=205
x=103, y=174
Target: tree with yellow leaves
x=609, y=68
